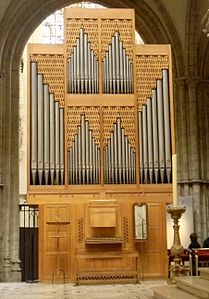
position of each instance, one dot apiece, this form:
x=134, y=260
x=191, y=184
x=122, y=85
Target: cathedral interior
x=101, y=168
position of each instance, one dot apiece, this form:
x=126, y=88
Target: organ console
x=100, y=131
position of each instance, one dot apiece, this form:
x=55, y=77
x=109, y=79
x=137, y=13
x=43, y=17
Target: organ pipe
x=51, y=138
x=167, y=125
x=117, y=68
x=40, y=129
x=84, y=156
x=47, y=133
x=141, y=161
x=161, y=129
x=61, y=110
x=119, y=166
x=34, y=113
x=83, y=67
x=150, y=139
x=155, y=135
x=145, y=143
x=57, y=142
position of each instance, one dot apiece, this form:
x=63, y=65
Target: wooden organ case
x=101, y=138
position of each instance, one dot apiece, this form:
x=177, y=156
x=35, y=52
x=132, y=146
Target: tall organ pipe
x=75, y=161
x=127, y=159
x=112, y=157
x=83, y=145
x=34, y=118
x=79, y=155
x=40, y=128
x=121, y=62
x=161, y=130
x=155, y=134
x=74, y=61
x=86, y=62
x=109, y=179
x=89, y=67
x=167, y=125
x=87, y=150
x=150, y=139
x=113, y=64
x=115, y=152
x=119, y=141
x=78, y=78
x=117, y=56
x=52, y=138
x=141, y=160
x=123, y=157
x=82, y=59
x=145, y=143
x=46, y=133
x=61, y=117
x=57, y=142
x=110, y=79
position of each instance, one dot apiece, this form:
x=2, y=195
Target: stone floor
x=70, y=291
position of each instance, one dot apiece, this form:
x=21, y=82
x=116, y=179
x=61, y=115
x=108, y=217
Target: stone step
x=204, y=273
x=171, y=292
x=194, y=285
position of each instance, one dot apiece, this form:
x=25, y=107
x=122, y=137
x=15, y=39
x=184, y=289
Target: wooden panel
x=103, y=217
x=54, y=247
x=153, y=252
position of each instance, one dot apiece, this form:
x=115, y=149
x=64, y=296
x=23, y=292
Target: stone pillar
x=193, y=146
x=10, y=264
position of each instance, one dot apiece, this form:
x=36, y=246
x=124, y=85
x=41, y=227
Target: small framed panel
x=140, y=222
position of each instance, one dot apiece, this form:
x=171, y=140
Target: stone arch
x=20, y=20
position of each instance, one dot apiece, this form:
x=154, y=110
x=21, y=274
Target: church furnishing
x=101, y=140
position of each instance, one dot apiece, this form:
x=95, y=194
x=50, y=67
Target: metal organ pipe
x=150, y=139
x=40, y=129
x=161, y=129
x=83, y=67
x=167, y=125
x=51, y=138
x=57, y=142
x=47, y=133
x=61, y=117
x=117, y=68
x=145, y=143
x=155, y=135
x=34, y=115
x=141, y=160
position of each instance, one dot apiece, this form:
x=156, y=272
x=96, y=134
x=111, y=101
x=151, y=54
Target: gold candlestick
x=177, y=249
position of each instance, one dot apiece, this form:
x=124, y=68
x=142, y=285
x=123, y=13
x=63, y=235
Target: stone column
x=10, y=178
x=194, y=156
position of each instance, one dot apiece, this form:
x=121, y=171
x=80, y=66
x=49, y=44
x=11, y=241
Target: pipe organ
x=101, y=138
